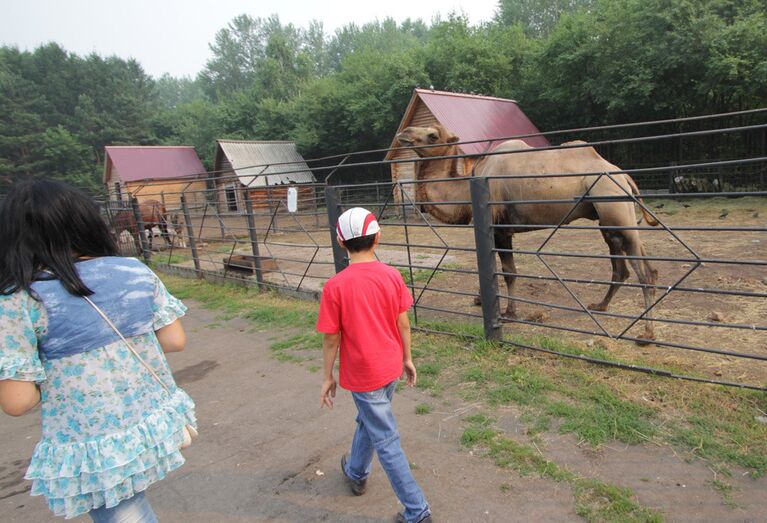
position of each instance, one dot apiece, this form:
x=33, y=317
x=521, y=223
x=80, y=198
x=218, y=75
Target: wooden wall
x=169, y=192
x=261, y=197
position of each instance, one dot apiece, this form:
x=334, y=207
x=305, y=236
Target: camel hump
x=586, y=151
x=512, y=145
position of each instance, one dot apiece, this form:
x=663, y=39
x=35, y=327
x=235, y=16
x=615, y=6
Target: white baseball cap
x=356, y=222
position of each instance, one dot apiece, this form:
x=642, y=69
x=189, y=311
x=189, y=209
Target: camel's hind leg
x=647, y=276
x=620, y=274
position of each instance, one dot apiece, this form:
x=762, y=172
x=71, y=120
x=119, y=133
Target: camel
x=536, y=215
x=153, y=214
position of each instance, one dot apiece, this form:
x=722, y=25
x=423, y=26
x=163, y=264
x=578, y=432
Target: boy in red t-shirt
x=364, y=310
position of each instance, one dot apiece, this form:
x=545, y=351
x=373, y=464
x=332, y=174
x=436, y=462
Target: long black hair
x=45, y=225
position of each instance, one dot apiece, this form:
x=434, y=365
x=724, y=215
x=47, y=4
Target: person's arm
x=172, y=337
x=403, y=325
x=18, y=397
x=330, y=343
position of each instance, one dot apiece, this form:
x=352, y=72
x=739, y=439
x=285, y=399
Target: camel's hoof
x=645, y=339
x=509, y=315
x=477, y=300
x=597, y=307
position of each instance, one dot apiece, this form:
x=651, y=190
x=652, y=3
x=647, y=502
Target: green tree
x=21, y=123
x=537, y=17
x=484, y=60
x=65, y=158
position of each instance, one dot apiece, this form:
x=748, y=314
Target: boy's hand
x=328, y=393
x=410, y=373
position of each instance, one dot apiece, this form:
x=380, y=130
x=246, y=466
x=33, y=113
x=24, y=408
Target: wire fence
x=672, y=283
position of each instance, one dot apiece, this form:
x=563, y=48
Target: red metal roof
x=473, y=117
x=134, y=163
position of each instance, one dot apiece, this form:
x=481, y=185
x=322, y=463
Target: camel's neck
x=444, y=191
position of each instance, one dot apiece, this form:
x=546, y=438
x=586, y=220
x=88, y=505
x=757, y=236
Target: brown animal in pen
x=510, y=182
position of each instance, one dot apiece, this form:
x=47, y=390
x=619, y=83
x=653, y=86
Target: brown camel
x=153, y=214
x=559, y=161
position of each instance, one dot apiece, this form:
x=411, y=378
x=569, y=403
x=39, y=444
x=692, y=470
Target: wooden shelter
x=159, y=173
x=263, y=168
x=470, y=117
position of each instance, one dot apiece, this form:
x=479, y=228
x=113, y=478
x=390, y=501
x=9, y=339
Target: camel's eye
x=433, y=137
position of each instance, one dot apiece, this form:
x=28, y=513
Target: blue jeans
x=131, y=510
x=377, y=431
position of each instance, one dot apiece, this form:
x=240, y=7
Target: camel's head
x=436, y=135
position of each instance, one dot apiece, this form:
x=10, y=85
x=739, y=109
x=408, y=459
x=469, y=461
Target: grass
x=422, y=408
x=598, y=405
x=171, y=259
x=419, y=275
x=595, y=500
x=267, y=310
x=306, y=341
x=726, y=490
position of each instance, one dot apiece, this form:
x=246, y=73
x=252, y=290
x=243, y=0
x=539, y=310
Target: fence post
x=334, y=211
x=485, y=243
x=253, y=238
x=190, y=234
x=143, y=246
x=221, y=227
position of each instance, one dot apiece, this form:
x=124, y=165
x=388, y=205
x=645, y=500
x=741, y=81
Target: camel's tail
x=635, y=190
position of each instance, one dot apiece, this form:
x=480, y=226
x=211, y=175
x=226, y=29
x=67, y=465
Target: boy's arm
x=330, y=344
x=403, y=324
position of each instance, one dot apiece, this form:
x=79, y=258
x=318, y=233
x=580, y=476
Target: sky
x=172, y=36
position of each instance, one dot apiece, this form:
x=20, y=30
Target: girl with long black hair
x=110, y=426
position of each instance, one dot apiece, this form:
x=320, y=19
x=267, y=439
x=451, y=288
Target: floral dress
x=109, y=430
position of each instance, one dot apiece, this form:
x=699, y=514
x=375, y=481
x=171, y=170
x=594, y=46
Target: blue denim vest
x=122, y=287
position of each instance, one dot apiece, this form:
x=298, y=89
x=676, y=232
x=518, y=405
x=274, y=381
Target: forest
x=569, y=63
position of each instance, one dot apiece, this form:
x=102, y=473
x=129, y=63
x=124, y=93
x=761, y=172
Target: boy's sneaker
x=425, y=519
x=358, y=487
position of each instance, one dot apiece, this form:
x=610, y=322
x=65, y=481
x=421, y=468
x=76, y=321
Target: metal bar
x=140, y=234
x=721, y=352
x=190, y=234
x=410, y=264
x=479, y=189
x=334, y=212
x=627, y=228
x=335, y=168
x=677, y=238
x=741, y=326
x=702, y=290
x=551, y=269
x=253, y=238
x=631, y=367
x=627, y=257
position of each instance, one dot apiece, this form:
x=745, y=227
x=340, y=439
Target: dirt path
x=268, y=453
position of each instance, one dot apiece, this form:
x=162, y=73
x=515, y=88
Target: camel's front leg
x=503, y=240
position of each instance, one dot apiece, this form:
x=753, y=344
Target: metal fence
x=694, y=306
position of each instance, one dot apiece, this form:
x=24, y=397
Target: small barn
x=265, y=169
x=470, y=117
x=153, y=172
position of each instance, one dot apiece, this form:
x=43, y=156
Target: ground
x=267, y=452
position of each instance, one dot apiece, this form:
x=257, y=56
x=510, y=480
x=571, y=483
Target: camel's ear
x=451, y=138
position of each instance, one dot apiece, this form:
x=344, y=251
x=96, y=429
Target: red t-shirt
x=363, y=302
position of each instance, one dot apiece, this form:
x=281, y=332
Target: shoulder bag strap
x=128, y=344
